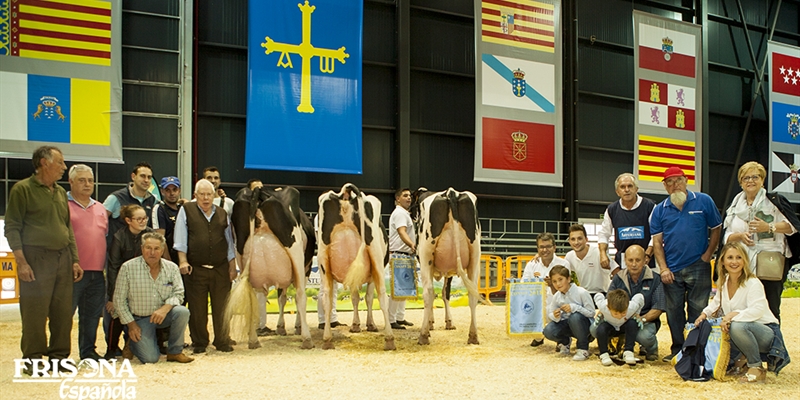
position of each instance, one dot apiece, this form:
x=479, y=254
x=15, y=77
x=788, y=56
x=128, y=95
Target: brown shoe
x=754, y=375
x=127, y=353
x=180, y=357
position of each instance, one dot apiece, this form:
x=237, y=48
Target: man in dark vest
x=137, y=192
x=206, y=257
x=638, y=279
x=628, y=221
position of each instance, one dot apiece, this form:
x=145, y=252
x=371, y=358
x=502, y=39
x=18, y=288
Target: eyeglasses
x=546, y=247
x=753, y=178
x=142, y=219
x=673, y=181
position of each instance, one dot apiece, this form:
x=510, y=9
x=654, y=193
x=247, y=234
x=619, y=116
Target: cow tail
x=241, y=311
x=472, y=287
x=359, y=269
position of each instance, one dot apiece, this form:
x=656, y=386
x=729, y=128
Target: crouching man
x=148, y=296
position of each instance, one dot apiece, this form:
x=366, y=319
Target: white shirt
x=536, y=265
x=401, y=218
x=749, y=301
x=634, y=307
x=228, y=207
x=579, y=300
x=591, y=276
x=776, y=243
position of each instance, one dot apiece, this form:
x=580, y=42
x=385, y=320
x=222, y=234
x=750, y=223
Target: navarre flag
x=667, y=50
x=785, y=75
x=514, y=83
x=54, y=109
x=518, y=146
x=520, y=23
x=785, y=123
x=77, y=31
x=657, y=154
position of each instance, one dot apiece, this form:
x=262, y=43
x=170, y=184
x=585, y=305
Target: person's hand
x=158, y=316
x=746, y=239
x=566, y=308
x=24, y=272
x=758, y=225
x=700, y=319
x=537, y=274
x=667, y=277
x=557, y=313
x=615, y=271
x=110, y=307
x=232, y=273
x=185, y=268
x=604, y=262
x=220, y=193
x=77, y=272
x=181, y=201
x=134, y=332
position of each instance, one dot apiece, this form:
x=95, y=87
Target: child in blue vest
x=570, y=312
x=617, y=312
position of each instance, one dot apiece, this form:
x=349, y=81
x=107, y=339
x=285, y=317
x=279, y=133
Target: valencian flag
x=668, y=107
x=784, y=118
x=521, y=23
x=518, y=113
x=304, y=86
x=60, y=80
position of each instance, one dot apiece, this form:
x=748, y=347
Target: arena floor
x=500, y=367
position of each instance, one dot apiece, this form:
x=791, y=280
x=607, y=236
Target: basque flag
x=665, y=50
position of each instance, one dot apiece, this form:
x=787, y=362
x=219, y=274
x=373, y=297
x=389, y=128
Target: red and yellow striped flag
x=519, y=23
x=656, y=154
x=77, y=31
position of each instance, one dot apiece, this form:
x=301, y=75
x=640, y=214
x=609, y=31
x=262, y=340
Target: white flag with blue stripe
x=514, y=83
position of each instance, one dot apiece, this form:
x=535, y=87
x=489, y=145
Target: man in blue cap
x=165, y=211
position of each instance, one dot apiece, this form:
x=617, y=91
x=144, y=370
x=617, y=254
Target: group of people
x=662, y=265
x=139, y=262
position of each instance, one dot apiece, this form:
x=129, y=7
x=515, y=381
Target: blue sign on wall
x=304, y=94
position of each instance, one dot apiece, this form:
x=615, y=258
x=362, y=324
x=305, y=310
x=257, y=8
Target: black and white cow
x=352, y=250
x=275, y=244
x=448, y=244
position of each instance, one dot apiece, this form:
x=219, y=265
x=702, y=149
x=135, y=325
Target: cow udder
x=444, y=256
x=270, y=263
x=343, y=250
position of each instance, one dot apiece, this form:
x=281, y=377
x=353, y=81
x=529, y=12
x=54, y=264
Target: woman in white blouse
x=756, y=222
x=747, y=317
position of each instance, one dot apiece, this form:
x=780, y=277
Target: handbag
x=769, y=265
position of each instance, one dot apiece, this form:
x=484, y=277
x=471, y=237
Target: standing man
x=207, y=257
x=148, y=295
x=680, y=226
x=39, y=232
x=541, y=264
x=211, y=174
x=584, y=260
x=636, y=279
x=90, y=224
x=402, y=241
x=137, y=192
x=630, y=217
x=165, y=212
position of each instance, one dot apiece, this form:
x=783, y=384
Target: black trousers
x=199, y=285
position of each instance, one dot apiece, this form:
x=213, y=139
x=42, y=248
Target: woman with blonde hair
x=754, y=331
x=763, y=222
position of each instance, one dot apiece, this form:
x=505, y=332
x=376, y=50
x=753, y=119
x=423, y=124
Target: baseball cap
x=170, y=180
x=672, y=172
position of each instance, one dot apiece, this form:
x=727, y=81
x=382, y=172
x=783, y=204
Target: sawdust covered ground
x=500, y=367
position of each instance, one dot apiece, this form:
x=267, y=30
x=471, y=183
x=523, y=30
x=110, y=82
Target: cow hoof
x=355, y=328
x=473, y=339
x=389, y=344
x=253, y=345
x=373, y=328
x=423, y=339
x=281, y=331
x=308, y=344
x=327, y=345
x=449, y=326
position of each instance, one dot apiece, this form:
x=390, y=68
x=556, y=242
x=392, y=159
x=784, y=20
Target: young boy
x=540, y=266
x=618, y=311
x=570, y=312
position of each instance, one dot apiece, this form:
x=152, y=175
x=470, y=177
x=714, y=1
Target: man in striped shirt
x=148, y=296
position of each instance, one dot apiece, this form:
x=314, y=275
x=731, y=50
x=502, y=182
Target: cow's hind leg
x=428, y=295
x=368, y=299
x=448, y=320
x=383, y=300
x=355, y=298
x=473, y=326
x=281, y=329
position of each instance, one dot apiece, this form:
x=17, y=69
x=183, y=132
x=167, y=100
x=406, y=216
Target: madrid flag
x=785, y=74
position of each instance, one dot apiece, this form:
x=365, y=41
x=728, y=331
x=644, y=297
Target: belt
x=207, y=266
x=401, y=252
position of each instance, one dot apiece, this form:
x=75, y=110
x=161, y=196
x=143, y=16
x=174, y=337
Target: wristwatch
x=644, y=320
x=772, y=227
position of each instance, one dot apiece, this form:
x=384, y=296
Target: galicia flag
x=518, y=146
x=666, y=50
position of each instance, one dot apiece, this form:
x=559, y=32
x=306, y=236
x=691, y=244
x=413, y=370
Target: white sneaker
x=563, y=350
x=605, y=359
x=629, y=358
x=581, y=355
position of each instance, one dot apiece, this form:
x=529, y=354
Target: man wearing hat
x=165, y=212
x=683, y=247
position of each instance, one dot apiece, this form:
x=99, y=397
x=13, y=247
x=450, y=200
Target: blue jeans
x=146, y=349
x=692, y=285
x=563, y=331
x=88, y=295
x=751, y=339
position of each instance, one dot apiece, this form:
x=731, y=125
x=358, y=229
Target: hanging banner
x=784, y=117
x=518, y=123
x=304, y=86
x=61, y=78
x=668, y=103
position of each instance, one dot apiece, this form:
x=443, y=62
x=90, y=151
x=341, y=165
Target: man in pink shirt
x=90, y=224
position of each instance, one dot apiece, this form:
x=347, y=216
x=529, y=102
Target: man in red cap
x=683, y=247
